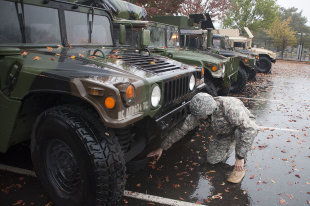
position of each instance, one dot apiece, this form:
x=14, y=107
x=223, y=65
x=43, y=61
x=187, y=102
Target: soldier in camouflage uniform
x=232, y=124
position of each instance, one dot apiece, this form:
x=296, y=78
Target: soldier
x=232, y=124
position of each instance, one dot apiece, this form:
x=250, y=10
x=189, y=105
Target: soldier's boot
x=236, y=176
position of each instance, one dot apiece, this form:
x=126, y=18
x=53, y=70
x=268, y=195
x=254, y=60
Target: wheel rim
x=62, y=169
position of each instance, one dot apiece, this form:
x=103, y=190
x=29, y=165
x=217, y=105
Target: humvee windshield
x=158, y=39
x=172, y=37
x=239, y=44
x=42, y=26
x=217, y=43
x=78, y=32
x=191, y=42
x=132, y=35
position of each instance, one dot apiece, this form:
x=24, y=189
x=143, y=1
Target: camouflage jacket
x=230, y=118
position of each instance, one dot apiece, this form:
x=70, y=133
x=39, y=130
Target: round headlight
x=192, y=82
x=156, y=96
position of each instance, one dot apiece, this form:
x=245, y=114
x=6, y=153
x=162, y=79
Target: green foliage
x=253, y=14
x=298, y=22
x=282, y=34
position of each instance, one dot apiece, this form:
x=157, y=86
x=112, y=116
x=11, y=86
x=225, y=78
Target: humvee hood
x=195, y=57
x=83, y=63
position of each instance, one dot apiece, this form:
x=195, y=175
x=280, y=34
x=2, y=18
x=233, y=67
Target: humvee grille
x=148, y=63
x=175, y=89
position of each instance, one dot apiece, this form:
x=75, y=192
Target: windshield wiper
x=21, y=19
x=90, y=24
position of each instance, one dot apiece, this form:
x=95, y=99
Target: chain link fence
x=299, y=51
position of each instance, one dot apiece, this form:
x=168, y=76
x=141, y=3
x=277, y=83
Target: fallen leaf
x=297, y=176
x=52, y=59
x=284, y=159
x=49, y=48
x=245, y=192
x=18, y=202
x=289, y=196
x=308, y=193
x=167, y=179
x=138, y=185
x=72, y=57
x=282, y=201
x=283, y=151
x=176, y=185
x=36, y=58
x=81, y=55
x=252, y=176
x=49, y=204
x=181, y=198
x=211, y=171
x=150, y=203
x=125, y=201
x=273, y=181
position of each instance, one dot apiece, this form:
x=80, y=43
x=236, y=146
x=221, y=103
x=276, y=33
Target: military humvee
x=243, y=44
x=86, y=106
x=192, y=37
x=220, y=44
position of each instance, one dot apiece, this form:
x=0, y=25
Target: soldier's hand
x=239, y=164
x=156, y=153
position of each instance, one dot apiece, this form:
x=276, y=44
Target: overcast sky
x=303, y=5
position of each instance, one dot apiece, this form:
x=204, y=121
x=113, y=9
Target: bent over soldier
x=231, y=123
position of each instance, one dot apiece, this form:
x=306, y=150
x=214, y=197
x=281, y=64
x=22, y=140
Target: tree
x=298, y=22
x=215, y=8
x=253, y=14
x=159, y=7
x=282, y=34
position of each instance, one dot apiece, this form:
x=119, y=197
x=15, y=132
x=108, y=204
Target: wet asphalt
x=278, y=169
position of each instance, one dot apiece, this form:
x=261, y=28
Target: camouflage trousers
x=220, y=149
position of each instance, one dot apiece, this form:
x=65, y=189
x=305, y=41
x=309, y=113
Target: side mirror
x=122, y=34
x=145, y=38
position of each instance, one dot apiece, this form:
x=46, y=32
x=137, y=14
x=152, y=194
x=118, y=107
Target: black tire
x=210, y=88
x=239, y=85
x=252, y=75
x=77, y=159
x=264, y=65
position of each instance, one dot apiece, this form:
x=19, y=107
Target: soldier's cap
x=202, y=105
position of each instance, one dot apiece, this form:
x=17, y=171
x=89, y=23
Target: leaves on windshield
x=36, y=58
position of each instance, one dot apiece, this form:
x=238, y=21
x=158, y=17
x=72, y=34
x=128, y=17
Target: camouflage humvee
x=220, y=44
x=191, y=38
x=164, y=41
x=86, y=106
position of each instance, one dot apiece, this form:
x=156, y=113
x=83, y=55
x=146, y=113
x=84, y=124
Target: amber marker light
x=109, y=102
x=214, y=68
x=256, y=57
x=202, y=71
x=246, y=60
x=130, y=92
x=96, y=91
